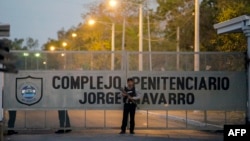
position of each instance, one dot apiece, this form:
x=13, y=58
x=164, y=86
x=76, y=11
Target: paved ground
x=111, y=134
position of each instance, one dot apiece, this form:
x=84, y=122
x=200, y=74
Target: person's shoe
x=11, y=132
x=122, y=132
x=67, y=131
x=14, y=132
x=59, y=132
x=132, y=132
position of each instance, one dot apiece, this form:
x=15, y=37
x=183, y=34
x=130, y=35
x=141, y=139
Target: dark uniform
x=129, y=109
x=63, y=121
x=11, y=122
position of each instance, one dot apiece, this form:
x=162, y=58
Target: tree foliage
x=22, y=44
x=169, y=15
x=176, y=13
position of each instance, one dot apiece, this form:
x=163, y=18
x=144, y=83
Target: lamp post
x=149, y=42
x=113, y=4
x=64, y=44
x=197, y=37
x=37, y=55
x=25, y=59
x=140, y=37
x=74, y=35
x=92, y=22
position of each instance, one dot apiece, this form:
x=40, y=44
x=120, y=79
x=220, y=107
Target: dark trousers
x=12, y=119
x=64, y=118
x=129, y=109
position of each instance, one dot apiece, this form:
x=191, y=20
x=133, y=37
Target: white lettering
x=231, y=132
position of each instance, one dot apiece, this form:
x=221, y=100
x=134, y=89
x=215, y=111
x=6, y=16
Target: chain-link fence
x=155, y=61
x=128, y=61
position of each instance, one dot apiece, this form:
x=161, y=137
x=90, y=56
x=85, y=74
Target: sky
x=41, y=19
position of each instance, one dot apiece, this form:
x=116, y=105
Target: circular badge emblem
x=28, y=92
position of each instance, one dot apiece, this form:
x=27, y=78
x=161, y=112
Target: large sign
x=100, y=90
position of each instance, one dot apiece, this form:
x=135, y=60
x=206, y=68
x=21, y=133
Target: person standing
x=129, y=99
x=63, y=121
x=11, y=122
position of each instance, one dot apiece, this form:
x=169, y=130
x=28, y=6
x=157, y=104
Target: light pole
x=197, y=37
x=149, y=42
x=178, y=48
x=113, y=4
x=113, y=47
x=45, y=64
x=25, y=59
x=74, y=35
x=140, y=37
x=37, y=55
x=92, y=22
x=64, y=44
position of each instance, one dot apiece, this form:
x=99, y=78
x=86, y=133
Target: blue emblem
x=29, y=90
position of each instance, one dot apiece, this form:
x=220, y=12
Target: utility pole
x=149, y=43
x=140, y=37
x=197, y=37
x=113, y=47
x=178, y=48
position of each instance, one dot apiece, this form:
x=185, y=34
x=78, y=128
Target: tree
x=17, y=44
x=228, y=9
x=175, y=13
x=31, y=43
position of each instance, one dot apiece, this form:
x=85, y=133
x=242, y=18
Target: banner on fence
x=100, y=90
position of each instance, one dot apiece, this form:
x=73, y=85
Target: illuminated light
x=37, y=54
x=74, y=35
x=25, y=54
x=91, y=22
x=64, y=44
x=52, y=48
x=112, y=3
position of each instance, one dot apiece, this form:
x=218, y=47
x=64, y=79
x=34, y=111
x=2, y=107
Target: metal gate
x=217, y=96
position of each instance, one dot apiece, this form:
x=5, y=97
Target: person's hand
x=130, y=97
x=123, y=94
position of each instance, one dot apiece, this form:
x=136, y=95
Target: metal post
x=149, y=43
x=113, y=47
x=123, y=33
x=25, y=62
x=248, y=96
x=105, y=119
x=123, y=42
x=197, y=37
x=246, y=30
x=140, y=37
x=205, y=117
x=1, y=100
x=91, y=61
x=178, y=48
x=166, y=118
x=65, y=61
x=85, y=118
x=37, y=63
x=45, y=119
x=186, y=118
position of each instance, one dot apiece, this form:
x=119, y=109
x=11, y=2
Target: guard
x=130, y=95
